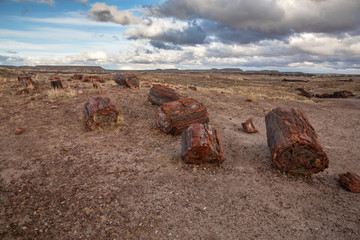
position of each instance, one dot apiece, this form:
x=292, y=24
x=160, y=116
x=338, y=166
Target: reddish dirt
x=60, y=181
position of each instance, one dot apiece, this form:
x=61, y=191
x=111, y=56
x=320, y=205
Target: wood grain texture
x=293, y=142
x=201, y=145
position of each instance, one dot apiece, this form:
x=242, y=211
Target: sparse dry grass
x=55, y=94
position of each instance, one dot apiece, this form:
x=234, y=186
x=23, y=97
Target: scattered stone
x=350, y=181
x=293, y=142
x=201, y=145
x=249, y=127
x=192, y=88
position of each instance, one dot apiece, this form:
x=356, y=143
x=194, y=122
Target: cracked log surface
x=99, y=113
x=293, y=142
x=174, y=117
x=201, y=145
x=160, y=94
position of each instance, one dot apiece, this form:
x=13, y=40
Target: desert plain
x=59, y=180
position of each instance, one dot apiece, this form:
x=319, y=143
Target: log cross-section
x=293, y=142
x=99, y=113
x=174, y=117
x=201, y=145
x=160, y=94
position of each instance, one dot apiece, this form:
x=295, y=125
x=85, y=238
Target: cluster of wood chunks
x=293, y=142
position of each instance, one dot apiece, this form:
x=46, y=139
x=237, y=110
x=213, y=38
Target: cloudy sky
x=285, y=35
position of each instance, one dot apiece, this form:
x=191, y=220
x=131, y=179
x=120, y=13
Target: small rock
x=19, y=131
x=249, y=127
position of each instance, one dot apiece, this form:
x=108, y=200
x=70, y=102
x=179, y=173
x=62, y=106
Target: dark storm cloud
x=268, y=16
x=162, y=45
x=228, y=35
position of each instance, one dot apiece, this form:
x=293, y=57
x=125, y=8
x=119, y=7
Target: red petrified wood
x=201, y=145
x=56, y=83
x=174, y=117
x=129, y=80
x=99, y=113
x=293, y=142
x=249, y=127
x=160, y=94
x=350, y=181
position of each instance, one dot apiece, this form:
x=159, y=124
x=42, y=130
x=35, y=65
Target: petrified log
x=350, y=181
x=56, y=83
x=294, y=80
x=96, y=85
x=340, y=94
x=129, y=80
x=25, y=80
x=160, y=94
x=77, y=76
x=99, y=113
x=201, y=145
x=174, y=117
x=85, y=78
x=249, y=127
x=293, y=142
x=304, y=93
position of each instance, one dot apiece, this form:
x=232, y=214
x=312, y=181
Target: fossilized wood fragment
x=174, y=117
x=99, y=113
x=350, y=181
x=293, y=142
x=160, y=94
x=249, y=127
x=201, y=145
x=129, y=80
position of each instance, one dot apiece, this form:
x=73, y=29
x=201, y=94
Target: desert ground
x=60, y=181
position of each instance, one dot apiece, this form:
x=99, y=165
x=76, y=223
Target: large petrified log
x=174, y=117
x=56, y=83
x=293, y=142
x=129, y=80
x=160, y=94
x=340, y=94
x=99, y=113
x=201, y=145
x=350, y=181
